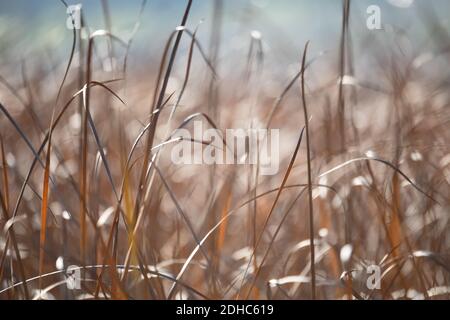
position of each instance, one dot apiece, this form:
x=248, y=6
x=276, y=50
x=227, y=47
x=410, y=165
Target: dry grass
x=364, y=177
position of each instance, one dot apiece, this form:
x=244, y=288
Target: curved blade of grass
x=159, y=98
x=32, y=166
x=12, y=235
x=45, y=190
x=20, y=131
x=152, y=272
x=266, y=222
x=384, y=162
x=308, y=159
x=291, y=83
x=217, y=225
x=133, y=33
x=97, y=139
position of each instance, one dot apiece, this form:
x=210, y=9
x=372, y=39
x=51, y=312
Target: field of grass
x=363, y=184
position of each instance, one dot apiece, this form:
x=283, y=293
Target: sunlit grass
x=364, y=175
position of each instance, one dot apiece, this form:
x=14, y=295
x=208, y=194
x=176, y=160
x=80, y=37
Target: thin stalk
x=308, y=156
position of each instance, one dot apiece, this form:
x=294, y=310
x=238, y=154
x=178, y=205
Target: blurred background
x=378, y=103
x=28, y=27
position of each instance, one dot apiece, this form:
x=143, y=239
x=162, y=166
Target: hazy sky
x=284, y=24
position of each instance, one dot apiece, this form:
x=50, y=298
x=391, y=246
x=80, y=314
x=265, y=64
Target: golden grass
x=369, y=185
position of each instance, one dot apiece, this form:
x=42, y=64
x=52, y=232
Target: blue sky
x=285, y=24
